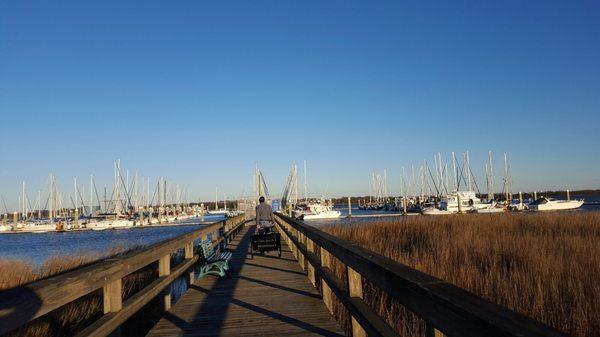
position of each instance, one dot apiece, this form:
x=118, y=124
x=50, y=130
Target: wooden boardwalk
x=264, y=296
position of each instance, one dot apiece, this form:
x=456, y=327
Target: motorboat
x=435, y=211
x=316, y=211
x=490, y=207
x=490, y=210
x=551, y=204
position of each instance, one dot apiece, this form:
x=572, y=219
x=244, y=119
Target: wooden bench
x=213, y=263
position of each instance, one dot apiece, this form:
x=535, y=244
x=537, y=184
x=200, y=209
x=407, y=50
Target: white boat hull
x=557, y=205
x=435, y=211
x=490, y=210
x=323, y=215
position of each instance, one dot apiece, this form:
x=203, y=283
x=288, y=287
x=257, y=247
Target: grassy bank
x=545, y=266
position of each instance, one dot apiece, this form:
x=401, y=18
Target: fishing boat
x=551, y=204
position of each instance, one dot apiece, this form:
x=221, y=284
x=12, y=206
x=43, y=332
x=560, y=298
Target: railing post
x=112, y=296
x=164, y=269
x=326, y=263
x=301, y=257
x=223, y=243
x=188, y=254
x=293, y=247
x=113, y=300
x=355, y=290
x=310, y=269
x=215, y=237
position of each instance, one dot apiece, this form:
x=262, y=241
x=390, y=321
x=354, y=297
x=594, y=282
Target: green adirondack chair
x=213, y=263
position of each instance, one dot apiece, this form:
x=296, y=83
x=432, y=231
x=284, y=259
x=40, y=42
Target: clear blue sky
x=199, y=91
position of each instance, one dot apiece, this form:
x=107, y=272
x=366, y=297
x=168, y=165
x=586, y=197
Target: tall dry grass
x=75, y=316
x=545, y=266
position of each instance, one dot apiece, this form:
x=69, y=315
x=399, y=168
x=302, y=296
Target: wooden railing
x=21, y=305
x=445, y=308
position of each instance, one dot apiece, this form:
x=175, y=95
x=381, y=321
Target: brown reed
x=545, y=266
x=74, y=316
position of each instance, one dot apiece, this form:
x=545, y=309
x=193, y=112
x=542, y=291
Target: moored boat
x=316, y=211
x=435, y=211
x=551, y=204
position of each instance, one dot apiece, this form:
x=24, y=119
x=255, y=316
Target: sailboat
x=310, y=209
x=491, y=206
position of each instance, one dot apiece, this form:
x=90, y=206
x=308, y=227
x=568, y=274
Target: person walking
x=264, y=214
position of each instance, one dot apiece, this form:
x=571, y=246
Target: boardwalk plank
x=264, y=296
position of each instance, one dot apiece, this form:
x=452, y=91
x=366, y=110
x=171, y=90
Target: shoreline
x=152, y=225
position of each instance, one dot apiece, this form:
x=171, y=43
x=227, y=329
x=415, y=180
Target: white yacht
x=550, y=204
x=315, y=211
x=469, y=202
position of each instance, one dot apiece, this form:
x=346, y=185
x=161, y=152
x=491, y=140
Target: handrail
x=446, y=309
x=21, y=305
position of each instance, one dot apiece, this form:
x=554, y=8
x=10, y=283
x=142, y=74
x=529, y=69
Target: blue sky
x=198, y=92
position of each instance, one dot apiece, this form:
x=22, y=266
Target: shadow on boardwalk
x=264, y=296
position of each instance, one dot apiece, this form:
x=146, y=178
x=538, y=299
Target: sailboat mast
x=23, y=210
x=469, y=186
x=402, y=181
x=51, y=201
x=441, y=172
x=305, y=184
x=491, y=177
x=454, y=171
x=295, y=184
x=75, y=192
x=506, y=179
x=91, y=194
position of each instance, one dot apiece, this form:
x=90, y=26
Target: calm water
x=356, y=211
x=37, y=247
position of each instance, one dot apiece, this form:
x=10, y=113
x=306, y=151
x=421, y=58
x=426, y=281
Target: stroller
x=266, y=240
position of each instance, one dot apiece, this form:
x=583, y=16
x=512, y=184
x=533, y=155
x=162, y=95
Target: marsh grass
x=545, y=266
x=75, y=316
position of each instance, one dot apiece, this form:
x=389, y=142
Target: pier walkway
x=264, y=296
